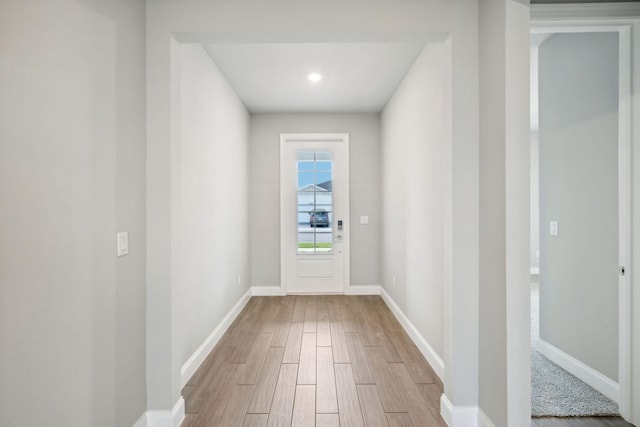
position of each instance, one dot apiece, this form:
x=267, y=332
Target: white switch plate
x=553, y=228
x=123, y=243
x=364, y=220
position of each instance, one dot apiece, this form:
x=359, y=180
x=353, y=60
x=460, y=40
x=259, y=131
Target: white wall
x=364, y=190
x=214, y=210
x=504, y=346
x=414, y=171
x=493, y=384
x=579, y=189
x=534, y=251
x=72, y=146
x=534, y=208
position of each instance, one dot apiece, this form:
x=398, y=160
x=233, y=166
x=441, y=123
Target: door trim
x=313, y=137
x=625, y=122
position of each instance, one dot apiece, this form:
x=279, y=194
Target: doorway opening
x=580, y=192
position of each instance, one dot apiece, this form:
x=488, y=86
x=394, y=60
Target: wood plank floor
x=314, y=360
x=322, y=361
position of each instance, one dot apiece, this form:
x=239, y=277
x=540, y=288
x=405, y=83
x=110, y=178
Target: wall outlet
x=238, y=280
x=553, y=228
x=393, y=282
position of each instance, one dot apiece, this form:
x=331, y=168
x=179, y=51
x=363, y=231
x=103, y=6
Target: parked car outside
x=319, y=218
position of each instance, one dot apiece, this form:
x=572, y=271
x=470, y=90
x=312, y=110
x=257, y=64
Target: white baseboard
x=266, y=291
x=142, y=421
x=461, y=416
x=364, y=290
x=595, y=379
x=484, y=420
x=196, y=359
x=178, y=414
x=172, y=418
x=446, y=410
x=261, y=291
x=425, y=348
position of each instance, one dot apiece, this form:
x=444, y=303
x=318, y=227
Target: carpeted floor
x=554, y=391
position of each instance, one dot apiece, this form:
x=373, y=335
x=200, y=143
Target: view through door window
x=315, y=201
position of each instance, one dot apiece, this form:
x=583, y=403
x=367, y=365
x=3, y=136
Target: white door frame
x=625, y=123
x=285, y=138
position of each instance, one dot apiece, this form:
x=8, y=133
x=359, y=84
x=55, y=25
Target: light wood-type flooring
x=314, y=361
x=323, y=361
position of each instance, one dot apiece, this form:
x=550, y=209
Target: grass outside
x=311, y=245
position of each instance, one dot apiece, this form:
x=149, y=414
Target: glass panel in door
x=315, y=201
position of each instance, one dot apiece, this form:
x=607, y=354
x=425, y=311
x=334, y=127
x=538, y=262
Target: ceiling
x=272, y=77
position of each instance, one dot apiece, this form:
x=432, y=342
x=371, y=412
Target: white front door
x=314, y=202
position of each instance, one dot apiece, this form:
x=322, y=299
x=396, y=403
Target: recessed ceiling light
x=314, y=77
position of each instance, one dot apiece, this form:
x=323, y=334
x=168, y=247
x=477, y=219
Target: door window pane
x=315, y=201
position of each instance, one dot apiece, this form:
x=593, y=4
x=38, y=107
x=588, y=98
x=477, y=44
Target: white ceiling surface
x=272, y=77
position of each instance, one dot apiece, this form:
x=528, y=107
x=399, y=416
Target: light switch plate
x=123, y=243
x=553, y=228
x=364, y=220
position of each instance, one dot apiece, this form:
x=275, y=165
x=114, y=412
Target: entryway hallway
x=314, y=360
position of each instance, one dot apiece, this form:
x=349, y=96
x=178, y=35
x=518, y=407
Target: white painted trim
x=171, y=418
x=193, y=363
x=446, y=410
x=484, y=420
x=364, y=290
x=346, y=214
x=315, y=293
x=178, y=413
x=423, y=345
x=561, y=27
x=625, y=124
x=632, y=412
x=283, y=217
x=266, y=291
x=595, y=379
x=142, y=421
x=461, y=416
x=584, y=11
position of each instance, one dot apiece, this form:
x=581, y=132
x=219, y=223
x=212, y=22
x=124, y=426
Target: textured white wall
x=414, y=171
x=214, y=211
x=72, y=141
x=364, y=191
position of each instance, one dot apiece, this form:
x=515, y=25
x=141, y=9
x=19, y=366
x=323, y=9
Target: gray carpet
x=555, y=392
